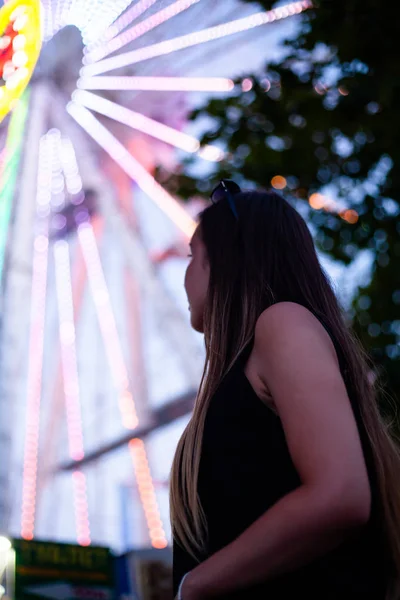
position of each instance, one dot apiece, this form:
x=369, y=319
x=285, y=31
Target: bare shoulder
x=289, y=328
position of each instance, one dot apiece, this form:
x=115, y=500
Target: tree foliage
x=326, y=119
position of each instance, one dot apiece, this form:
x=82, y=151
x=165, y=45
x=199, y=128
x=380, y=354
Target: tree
x=325, y=118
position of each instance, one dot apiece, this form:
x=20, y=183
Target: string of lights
x=193, y=39
x=137, y=31
x=140, y=122
x=157, y=84
x=36, y=335
x=133, y=168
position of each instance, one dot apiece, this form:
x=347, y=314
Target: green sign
x=62, y=571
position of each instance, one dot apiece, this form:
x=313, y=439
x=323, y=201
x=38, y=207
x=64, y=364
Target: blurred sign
x=155, y=580
x=145, y=574
x=62, y=571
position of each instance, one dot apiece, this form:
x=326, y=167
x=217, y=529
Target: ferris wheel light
x=25, y=19
x=133, y=168
x=92, y=17
x=8, y=69
x=147, y=493
x=138, y=30
x=19, y=42
x=36, y=338
x=100, y=292
x=123, y=21
x=81, y=508
x=5, y=544
x=159, y=84
x=193, y=39
x=68, y=349
x=20, y=58
x=138, y=121
x=5, y=41
x=18, y=12
x=20, y=22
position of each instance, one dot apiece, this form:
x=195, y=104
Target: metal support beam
x=162, y=416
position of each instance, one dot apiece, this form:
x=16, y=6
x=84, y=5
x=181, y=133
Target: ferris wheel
x=99, y=366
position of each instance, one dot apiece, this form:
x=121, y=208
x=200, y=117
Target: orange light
x=159, y=543
x=351, y=216
x=278, y=182
x=147, y=493
x=317, y=201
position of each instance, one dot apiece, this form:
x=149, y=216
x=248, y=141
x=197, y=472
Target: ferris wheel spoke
x=133, y=168
x=158, y=84
x=36, y=336
x=193, y=39
x=123, y=21
x=138, y=30
x=147, y=493
x=71, y=385
x=140, y=122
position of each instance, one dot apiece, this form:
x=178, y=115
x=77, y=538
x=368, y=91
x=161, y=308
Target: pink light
x=199, y=37
x=101, y=297
x=36, y=336
x=138, y=30
x=164, y=84
x=147, y=493
x=81, y=508
x=145, y=124
x=68, y=349
x=68, y=354
x=124, y=20
x=107, y=324
x=133, y=168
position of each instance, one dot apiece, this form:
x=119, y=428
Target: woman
x=285, y=483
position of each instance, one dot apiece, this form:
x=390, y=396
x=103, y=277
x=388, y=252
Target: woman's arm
x=296, y=360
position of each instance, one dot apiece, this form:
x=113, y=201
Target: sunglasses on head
x=226, y=189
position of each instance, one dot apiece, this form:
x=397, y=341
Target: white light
x=124, y=20
x=19, y=42
x=191, y=39
x=133, y=168
x=8, y=69
x=68, y=349
x=20, y=22
x=20, y=58
x=211, y=153
x=165, y=84
x=145, y=124
x=5, y=544
x=5, y=42
x=138, y=30
x=18, y=12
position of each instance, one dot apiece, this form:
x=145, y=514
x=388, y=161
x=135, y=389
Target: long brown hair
x=268, y=256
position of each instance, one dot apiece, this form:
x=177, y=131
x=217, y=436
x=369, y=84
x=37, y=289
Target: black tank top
x=245, y=468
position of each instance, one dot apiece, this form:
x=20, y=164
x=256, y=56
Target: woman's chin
x=197, y=323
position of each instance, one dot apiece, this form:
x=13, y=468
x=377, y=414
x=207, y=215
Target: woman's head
x=242, y=265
